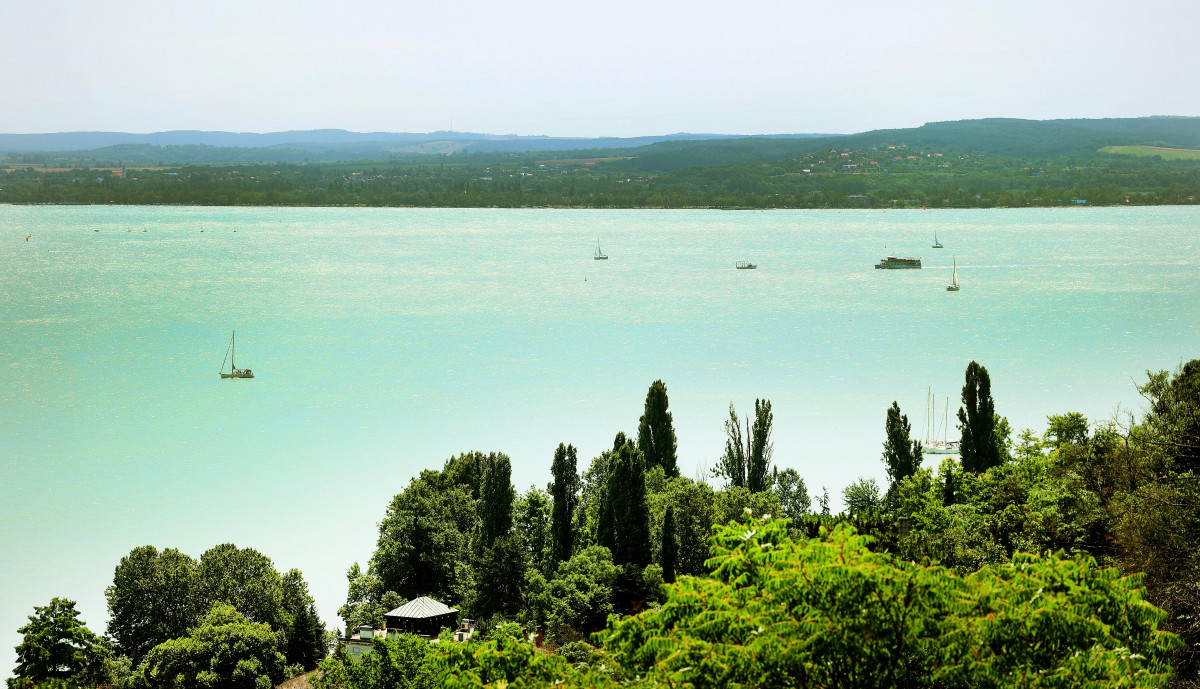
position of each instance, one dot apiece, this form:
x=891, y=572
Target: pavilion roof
x=422, y=608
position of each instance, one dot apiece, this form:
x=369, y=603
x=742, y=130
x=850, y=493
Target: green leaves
x=55, y=643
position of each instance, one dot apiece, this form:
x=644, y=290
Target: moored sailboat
x=931, y=445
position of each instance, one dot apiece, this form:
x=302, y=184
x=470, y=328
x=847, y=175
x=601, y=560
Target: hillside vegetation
x=975, y=163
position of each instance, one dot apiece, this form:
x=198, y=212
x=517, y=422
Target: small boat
x=953, y=286
x=234, y=371
x=600, y=255
x=936, y=243
x=745, y=265
x=894, y=263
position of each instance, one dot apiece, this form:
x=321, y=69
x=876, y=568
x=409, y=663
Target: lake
x=384, y=341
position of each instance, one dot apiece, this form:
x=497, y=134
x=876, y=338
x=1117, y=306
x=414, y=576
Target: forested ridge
x=969, y=164
x=1061, y=557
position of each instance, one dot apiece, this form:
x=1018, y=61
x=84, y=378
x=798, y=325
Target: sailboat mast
x=946, y=423
x=233, y=352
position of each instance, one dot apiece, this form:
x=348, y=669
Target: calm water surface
x=385, y=340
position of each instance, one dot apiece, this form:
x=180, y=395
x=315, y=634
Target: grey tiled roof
x=421, y=608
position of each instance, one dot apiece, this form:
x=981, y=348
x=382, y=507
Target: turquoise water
x=385, y=340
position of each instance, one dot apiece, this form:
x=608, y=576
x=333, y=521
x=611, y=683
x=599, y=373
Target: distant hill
x=1040, y=139
x=336, y=141
x=1027, y=139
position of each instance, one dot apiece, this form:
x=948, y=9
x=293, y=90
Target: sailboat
x=936, y=243
x=600, y=255
x=234, y=371
x=933, y=446
x=953, y=286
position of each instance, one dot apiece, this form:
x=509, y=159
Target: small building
x=423, y=616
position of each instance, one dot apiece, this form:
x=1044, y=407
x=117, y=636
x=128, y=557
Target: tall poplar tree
x=901, y=454
x=564, y=494
x=656, y=432
x=496, y=494
x=979, y=447
x=625, y=510
x=747, y=459
x=670, y=547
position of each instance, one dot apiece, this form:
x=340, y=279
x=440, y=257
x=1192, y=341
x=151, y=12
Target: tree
x=694, y=505
x=624, y=508
x=243, y=578
x=532, y=526
x=670, y=547
x=564, y=496
x=979, y=448
x=424, y=545
x=150, y=599
x=500, y=579
x=901, y=454
x=395, y=662
x=861, y=496
x=226, y=650
x=829, y=612
x=747, y=459
x=366, y=600
x=55, y=644
x=496, y=501
x=789, y=487
x=656, y=433
x=578, y=598
x=1066, y=428
x=1174, y=416
x=304, y=638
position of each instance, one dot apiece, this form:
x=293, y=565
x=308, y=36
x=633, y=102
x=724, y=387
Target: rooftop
x=421, y=608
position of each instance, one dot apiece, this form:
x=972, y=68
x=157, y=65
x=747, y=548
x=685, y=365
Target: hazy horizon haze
x=588, y=69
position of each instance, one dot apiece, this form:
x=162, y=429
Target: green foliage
x=366, y=601
x=578, y=598
x=500, y=584
x=424, y=545
x=496, y=497
x=624, y=525
x=735, y=504
x=830, y=612
x=1173, y=422
x=396, y=662
x=656, y=432
x=151, y=599
x=695, y=507
x=564, y=496
x=670, y=547
x=533, y=526
x=499, y=662
x=1065, y=428
x=901, y=454
x=57, y=645
x=226, y=650
x=158, y=596
x=747, y=459
x=862, y=496
x=789, y=487
x=979, y=447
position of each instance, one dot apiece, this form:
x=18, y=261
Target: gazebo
x=421, y=615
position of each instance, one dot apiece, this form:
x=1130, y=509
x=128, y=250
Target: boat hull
x=897, y=263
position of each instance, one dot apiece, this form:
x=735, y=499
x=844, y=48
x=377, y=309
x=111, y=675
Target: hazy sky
x=588, y=68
